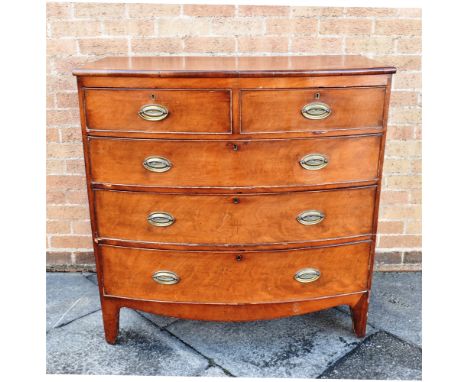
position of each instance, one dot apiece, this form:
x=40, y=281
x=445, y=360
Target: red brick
x=400, y=241
x=52, y=135
x=58, y=226
x=99, y=10
x=104, y=46
x=156, y=45
x=344, y=27
x=62, y=151
x=400, y=132
x=70, y=135
x=84, y=258
x=209, y=10
x=393, y=197
x=410, y=12
x=62, y=117
x=81, y=227
x=183, y=27
x=393, y=227
x=151, y=11
x=404, y=98
x=261, y=10
x=410, y=211
x=371, y=12
x=67, y=212
x=71, y=241
x=56, y=167
x=375, y=45
x=229, y=26
x=406, y=62
x=263, y=44
x=313, y=45
x=297, y=26
x=75, y=167
x=67, y=100
x=401, y=27
x=140, y=28
x=316, y=11
x=55, y=197
x=65, y=182
x=60, y=47
x=55, y=10
x=77, y=197
x=409, y=45
x=77, y=28
x=407, y=80
x=210, y=45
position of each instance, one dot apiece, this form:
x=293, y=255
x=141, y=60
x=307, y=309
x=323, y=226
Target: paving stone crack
x=69, y=322
x=346, y=355
x=211, y=362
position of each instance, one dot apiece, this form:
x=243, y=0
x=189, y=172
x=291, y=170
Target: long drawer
x=156, y=110
x=234, y=219
x=295, y=110
x=270, y=163
x=221, y=277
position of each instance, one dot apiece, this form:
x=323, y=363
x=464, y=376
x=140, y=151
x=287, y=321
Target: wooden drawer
x=234, y=219
x=267, y=163
x=227, y=277
x=191, y=111
x=281, y=110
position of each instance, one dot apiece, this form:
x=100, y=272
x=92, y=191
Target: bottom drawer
x=234, y=277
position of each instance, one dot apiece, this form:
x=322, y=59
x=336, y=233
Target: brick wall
x=81, y=32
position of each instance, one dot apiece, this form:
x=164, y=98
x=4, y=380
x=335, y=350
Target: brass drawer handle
x=314, y=161
x=153, y=112
x=316, y=110
x=310, y=217
x=307, y=275
x=160, y=219
x=157, y=164
x=166, y=277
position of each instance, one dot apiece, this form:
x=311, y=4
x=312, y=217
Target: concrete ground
x=316, y=345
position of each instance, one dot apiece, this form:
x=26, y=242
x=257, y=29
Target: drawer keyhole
x=236, y=200
x=239, y=257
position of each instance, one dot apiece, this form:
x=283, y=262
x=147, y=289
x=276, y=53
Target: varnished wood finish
x=194, y=66
x=234, y=164
x=190, y=111
x=280, y=110
x=237, y=220
x=234, y=136
x=234, y=277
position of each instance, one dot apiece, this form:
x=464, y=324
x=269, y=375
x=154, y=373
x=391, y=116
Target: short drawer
x=308, y=110
x=268, y=163
x=161, y=111
x=234, y=219
x=228, y=277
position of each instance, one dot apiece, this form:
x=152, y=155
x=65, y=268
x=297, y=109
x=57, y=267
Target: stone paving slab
x=380, y=356
x=395, y=304
x=142, y=349
x=295, y=347
x=68, y=297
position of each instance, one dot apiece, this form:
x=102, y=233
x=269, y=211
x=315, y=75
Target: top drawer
x=170, y=111
x=308, y=110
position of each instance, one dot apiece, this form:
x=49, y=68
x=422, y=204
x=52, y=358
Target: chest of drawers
x=233, y=188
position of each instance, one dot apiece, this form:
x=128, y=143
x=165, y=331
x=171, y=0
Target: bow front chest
x=233, y=188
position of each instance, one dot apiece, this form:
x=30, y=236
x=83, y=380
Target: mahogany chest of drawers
x=234, y=188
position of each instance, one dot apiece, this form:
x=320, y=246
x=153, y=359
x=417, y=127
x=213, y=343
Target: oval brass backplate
x=314, y=161
x=307, y=275
x=160, y=219
x=316, y=110
x=153, y=112
x=157, y=164
x=166, y=277
x=310, y=217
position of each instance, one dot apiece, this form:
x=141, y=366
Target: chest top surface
x=232, y=66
